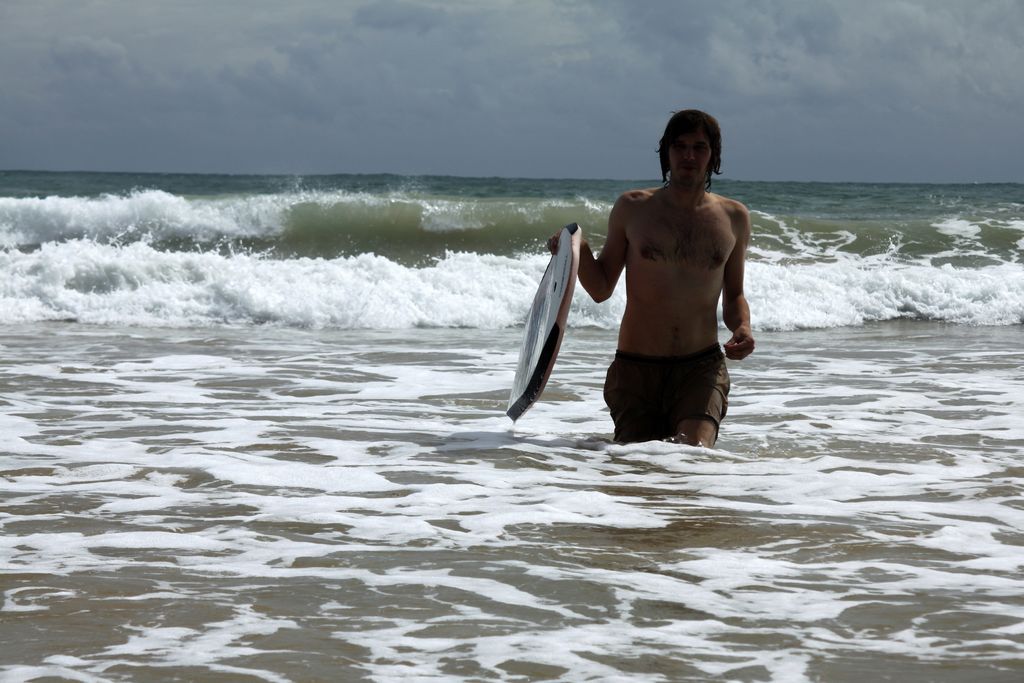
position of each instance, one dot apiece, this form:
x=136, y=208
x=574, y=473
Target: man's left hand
x=740, y=345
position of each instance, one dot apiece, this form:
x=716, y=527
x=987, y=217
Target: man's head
x=690, y=121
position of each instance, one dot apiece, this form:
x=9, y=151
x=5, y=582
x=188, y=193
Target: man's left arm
x=735, y=312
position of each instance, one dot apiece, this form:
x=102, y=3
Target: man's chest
x=697, y=241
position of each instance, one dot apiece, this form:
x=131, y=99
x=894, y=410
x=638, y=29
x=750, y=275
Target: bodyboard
x=545, y=324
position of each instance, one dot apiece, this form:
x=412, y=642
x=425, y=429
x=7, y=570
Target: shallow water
x=294, y=505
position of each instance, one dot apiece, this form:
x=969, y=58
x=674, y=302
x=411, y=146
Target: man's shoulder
x=731, y=206
x=738, y=213
x=631, y=204
x=637, y=196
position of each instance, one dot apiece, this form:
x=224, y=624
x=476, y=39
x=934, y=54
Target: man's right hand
x=553, y=242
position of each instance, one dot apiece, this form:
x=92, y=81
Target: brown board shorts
x=650, y=395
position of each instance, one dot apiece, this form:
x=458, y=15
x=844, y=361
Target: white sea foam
x=959, y=227
x=138, y=285
x=135, y=284
x=855, y=292
x=252, y=503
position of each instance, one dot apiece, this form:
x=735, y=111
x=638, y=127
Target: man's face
x=689, y=156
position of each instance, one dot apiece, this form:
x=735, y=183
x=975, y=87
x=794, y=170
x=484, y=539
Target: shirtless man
x=682, y=248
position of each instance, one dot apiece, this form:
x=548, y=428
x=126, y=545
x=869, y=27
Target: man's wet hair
x=688, y=121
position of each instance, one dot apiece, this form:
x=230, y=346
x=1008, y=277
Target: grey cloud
x=805, y=89
x=401, y=16
x=84, y=56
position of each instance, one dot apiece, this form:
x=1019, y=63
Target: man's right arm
x=599, y=275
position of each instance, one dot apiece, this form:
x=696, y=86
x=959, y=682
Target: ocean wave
x=933, y=241
x=853, y=293
x=309, y=223
x=152, y=214
x=411, y=226
x=135, y=284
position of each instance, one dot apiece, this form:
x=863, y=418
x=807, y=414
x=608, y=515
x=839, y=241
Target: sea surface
x=252, y=429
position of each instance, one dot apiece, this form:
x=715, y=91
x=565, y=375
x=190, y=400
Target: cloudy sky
x=834, y=90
